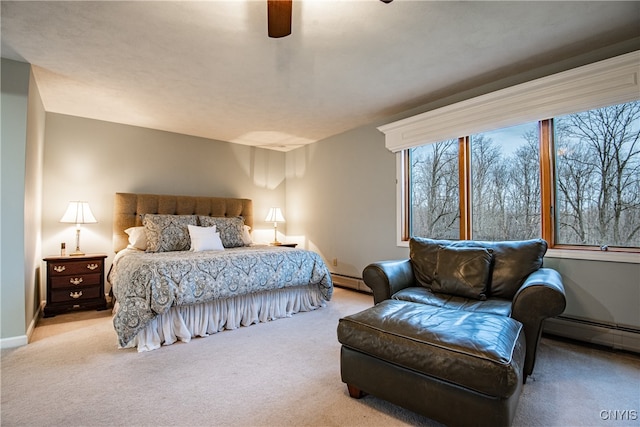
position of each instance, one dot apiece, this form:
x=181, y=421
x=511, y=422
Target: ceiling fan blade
x=279, y=18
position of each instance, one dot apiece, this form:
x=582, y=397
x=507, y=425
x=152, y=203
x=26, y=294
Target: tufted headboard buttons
x=129, y=208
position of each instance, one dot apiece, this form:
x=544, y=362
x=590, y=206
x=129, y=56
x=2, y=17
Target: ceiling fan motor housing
x=279, y=18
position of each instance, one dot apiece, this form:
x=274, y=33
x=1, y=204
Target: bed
x=185, y=267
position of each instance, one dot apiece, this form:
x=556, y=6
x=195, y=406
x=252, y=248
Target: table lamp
x=275, y=215
x=78, y=213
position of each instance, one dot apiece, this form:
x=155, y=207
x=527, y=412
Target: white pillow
x=137, y=238
x=204, y=239
x=246, y=235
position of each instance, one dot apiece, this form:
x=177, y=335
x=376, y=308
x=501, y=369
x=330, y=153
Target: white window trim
x=609, y=82
x=400, y=205
x=624, y=257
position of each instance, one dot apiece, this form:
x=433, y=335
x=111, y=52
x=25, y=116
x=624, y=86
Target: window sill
x=624, y=257
x=605, y=256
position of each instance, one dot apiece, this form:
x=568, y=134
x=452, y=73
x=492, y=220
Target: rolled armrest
x=541, y=293
x=385, y=278
x=541, y=296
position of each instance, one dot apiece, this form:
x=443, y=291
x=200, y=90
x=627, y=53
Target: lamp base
x=77, y=252
x=276, y=243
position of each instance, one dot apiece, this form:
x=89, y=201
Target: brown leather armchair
x=516, y=284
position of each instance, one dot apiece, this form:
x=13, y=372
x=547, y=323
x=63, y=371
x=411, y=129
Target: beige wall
x=91, y=160
x=341, y=199
x=607, y=292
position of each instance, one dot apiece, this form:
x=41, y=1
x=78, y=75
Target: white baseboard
x=13, y=342
x=34, y=321
x=613, y=336
x=21, y=340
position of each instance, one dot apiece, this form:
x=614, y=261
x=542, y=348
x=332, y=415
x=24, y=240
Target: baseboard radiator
x=608, y=335
x=605, y=334
x=350, y=282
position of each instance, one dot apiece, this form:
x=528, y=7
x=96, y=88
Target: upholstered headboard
x=129, y=207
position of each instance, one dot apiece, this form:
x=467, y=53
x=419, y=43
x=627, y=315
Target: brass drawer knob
x=75, y=281
x=75, y=295
x=59, y=268
x=92, y=266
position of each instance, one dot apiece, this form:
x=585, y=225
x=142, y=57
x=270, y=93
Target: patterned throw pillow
x=166, y=233
x=231, y=229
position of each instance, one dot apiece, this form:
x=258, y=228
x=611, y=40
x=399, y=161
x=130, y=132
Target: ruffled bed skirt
x=201, y=320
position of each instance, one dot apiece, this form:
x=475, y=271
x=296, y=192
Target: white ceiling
x=207, y=68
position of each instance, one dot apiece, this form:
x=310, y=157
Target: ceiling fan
x=279, y=17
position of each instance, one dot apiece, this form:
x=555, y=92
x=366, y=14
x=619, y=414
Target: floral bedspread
x=148, y=284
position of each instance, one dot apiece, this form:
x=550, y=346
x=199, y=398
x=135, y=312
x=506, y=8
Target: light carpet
x=281, y=373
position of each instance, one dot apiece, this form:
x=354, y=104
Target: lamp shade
x=274, y=215
x=78, y=213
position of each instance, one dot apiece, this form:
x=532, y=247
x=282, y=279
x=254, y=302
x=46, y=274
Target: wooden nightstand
x=286, y=245
x=75, y=282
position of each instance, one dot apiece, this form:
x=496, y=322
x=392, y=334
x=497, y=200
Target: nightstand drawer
x=79, y=280
x=71, y=295
x=74, y=267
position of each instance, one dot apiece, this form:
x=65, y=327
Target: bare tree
x=435, y=197
x=598, y=165
x=524, y=188
x=485, y=159
x=574, y=191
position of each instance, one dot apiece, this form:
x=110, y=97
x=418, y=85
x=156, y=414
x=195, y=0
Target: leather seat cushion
x=422, y=295
x=479, y=351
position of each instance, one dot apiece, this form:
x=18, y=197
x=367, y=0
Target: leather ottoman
x=453, y=366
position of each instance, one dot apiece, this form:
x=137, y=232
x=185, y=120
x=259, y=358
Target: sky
x=511, y=138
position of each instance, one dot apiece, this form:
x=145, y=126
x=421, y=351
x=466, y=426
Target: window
x=434, y=197
x=505, y=183
x=597, y=156
x=588, y=191
x=499, y=185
